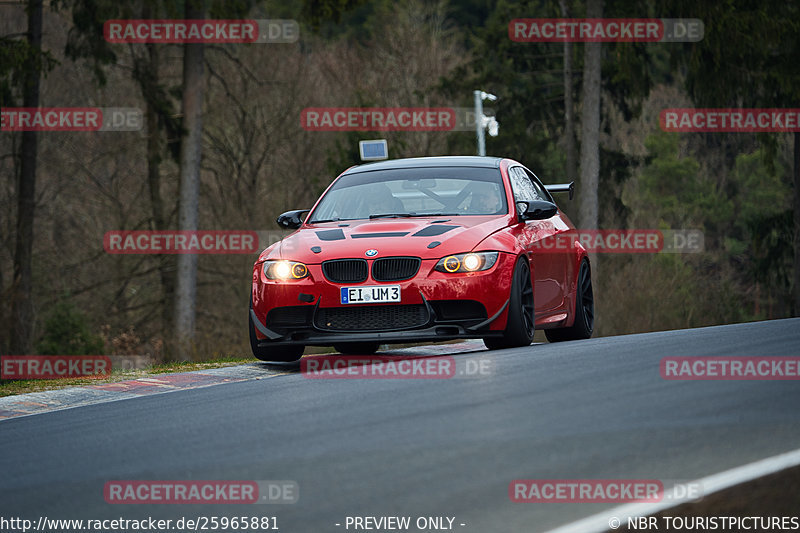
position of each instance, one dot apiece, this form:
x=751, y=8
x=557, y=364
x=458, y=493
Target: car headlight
x=285, y=270
x=469, y=262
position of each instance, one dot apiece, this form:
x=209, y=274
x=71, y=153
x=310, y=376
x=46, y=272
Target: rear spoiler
x=562, y=187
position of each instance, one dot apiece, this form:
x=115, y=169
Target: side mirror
x=292, y=219
x=536, y=210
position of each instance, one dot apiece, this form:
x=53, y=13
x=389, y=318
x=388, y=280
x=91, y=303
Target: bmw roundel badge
x=371, y=253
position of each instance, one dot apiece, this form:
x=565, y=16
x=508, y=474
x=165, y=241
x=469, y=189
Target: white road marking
x=710, y=484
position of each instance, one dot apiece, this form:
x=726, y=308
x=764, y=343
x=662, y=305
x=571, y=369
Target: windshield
x=413, y=192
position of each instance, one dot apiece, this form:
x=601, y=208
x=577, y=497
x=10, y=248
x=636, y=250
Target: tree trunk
x=21, y=303
x=191, y=148
x=590, y=127
x=569, y=111
x=166, y=266
x=796, y=289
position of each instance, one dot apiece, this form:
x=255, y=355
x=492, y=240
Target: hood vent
x=433, y=231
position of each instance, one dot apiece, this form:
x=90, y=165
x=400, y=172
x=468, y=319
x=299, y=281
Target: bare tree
x=157, y=116
x=191, y=151
x=569, y=109
x=590, y=126
x=21, y=302
x=797, y=224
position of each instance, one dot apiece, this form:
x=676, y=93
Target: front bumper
x=435, y=306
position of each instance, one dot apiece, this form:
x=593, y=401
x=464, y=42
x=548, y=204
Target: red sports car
x=422, y=249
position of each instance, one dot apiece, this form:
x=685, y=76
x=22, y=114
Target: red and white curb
x=56, y=400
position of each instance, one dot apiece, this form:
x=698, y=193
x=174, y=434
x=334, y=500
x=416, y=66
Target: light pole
x=482, y=121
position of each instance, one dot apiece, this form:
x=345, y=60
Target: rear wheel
x=357, y=348
x=583, y=326
x=284, y=354
x=520, y=326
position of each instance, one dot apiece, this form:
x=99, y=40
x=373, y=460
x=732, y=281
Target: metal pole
x=479, y=123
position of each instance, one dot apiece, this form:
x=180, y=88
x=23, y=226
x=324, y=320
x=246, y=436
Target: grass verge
x=22, y=386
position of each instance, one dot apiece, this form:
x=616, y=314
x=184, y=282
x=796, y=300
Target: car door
x=563, y=255
x=548, y=268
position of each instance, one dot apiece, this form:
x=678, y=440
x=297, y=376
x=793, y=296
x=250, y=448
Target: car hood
x=315, y=243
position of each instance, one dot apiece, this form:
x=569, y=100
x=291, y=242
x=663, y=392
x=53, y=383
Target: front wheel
x=583, y=326
x=520, y=326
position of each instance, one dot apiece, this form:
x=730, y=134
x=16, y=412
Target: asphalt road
x=589, y=409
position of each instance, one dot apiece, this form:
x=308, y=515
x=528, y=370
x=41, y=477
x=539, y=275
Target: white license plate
x=371, y=294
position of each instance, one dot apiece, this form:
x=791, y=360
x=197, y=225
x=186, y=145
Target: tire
x=521, y=323
x=357, y=348
x=283, y=354
x=583, y=327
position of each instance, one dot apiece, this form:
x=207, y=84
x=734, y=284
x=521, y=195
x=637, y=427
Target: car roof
x=427, y=162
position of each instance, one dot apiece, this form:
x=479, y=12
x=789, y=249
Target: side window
x=524, y=189
x=540, y=190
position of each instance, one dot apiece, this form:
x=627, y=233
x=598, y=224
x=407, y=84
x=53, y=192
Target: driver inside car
x=381, y=201
x=485, y=200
